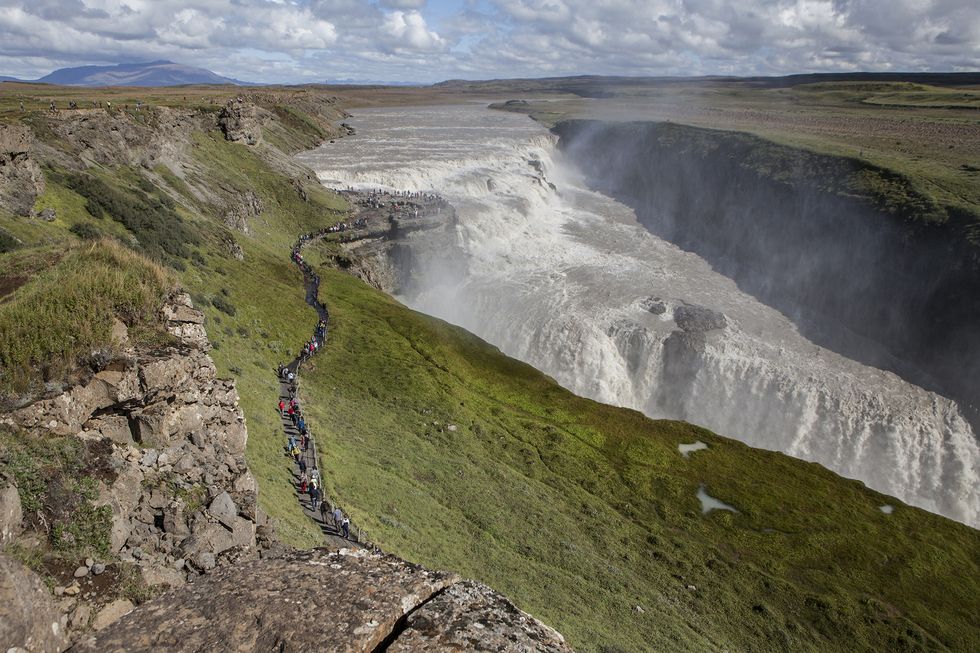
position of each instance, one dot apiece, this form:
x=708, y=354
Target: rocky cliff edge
x=171, y=439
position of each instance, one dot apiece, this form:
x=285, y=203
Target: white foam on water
x=557, y=276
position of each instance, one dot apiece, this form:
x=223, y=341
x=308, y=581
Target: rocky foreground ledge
x=319, y=600
x=170, y=438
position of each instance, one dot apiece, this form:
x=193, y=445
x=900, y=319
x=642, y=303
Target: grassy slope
x=61, y=307
x=577, y=510
x=582, y=511
x=271, y=319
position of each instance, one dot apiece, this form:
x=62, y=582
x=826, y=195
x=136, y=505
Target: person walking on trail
x=296, y=454
x=302, y=483
x=345, y=527
x=282, y=406
x=324, y=509
x=301, y=425
x=302, y=466
x=314, y=495
x=337, y=516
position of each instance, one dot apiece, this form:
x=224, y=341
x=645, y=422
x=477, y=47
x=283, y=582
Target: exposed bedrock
x=888, y=287
x=362, y=602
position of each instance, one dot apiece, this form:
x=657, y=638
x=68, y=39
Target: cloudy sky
x=432, y=40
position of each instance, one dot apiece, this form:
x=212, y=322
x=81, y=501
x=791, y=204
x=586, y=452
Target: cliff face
x=168, y=440
x=863, y=264
x=20, y=177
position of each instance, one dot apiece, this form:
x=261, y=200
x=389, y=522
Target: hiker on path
x=282, y=406
x=337, y=516
x=302, y=483
x=302, y=466
x=345, y=526
x=314, y=495
x=296, y=454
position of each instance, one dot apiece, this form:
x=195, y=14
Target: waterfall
x=565, y=279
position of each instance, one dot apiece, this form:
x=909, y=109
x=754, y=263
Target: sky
x=424, y=41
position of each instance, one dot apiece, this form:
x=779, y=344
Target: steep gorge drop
x=564, y=277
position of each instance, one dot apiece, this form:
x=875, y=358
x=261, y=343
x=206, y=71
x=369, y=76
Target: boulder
x=11, y=514
x=243, y=532
x=223, y=509
x=163, y=575
x=112, y=613
x=167, y=374
x=122, y=497
x=213, y=538
x=175, y=523
x=150, y=425
x=654, y=305
x=120, y=332
x=182, y=313
x=190, y=334
x=246, y=484
x=698, y=318
x=114, y=427
x=28, y=617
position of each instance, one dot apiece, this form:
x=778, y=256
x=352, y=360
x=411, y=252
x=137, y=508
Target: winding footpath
x=289, y=389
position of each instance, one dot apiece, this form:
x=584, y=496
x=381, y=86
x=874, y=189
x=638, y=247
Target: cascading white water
x=565, y=279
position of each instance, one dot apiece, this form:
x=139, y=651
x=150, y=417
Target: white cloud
x=403, y=4
x=311, y=40
x=407, y=29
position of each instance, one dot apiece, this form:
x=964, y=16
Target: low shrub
x=152, y=220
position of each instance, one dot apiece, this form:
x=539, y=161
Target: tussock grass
x=51, y=323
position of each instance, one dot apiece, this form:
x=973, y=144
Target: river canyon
x=543, y=262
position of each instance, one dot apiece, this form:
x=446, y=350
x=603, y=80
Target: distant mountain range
x=155, y=73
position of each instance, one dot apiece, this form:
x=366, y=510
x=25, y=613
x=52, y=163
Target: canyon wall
x=863, y=263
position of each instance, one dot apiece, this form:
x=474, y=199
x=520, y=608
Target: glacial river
x=567, y=280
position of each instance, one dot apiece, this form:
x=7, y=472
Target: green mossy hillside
x=453, y=455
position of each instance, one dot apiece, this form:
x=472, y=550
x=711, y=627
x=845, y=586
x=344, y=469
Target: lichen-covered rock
x=361, y=601
x=29, y=619
x=469, y=616
x=269, y=605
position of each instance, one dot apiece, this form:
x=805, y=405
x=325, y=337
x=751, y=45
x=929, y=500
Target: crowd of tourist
x=299, y=444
